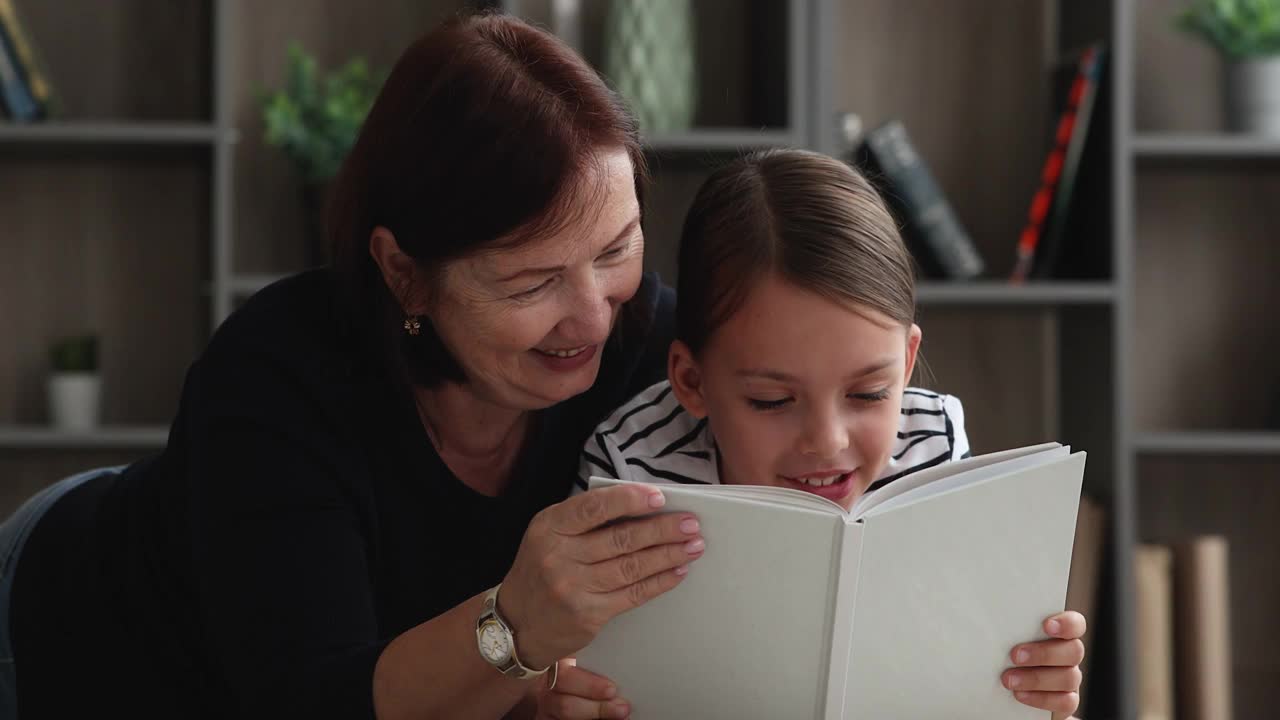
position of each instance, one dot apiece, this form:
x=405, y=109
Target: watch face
x=495, y=644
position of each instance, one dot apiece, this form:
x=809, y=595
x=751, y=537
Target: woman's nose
x=591, y=314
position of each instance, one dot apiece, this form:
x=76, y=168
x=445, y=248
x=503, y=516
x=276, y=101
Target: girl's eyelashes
x=877, y=396
x=765, y=405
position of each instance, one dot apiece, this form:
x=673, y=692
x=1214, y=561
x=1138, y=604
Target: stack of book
x=1183, y=630
x=24, y=87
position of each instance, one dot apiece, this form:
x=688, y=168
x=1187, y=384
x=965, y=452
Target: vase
x=649, y=59
x=74, y=400
x=1253, y=96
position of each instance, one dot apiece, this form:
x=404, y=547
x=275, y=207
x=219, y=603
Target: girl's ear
x=686, y=379
x=914, y=336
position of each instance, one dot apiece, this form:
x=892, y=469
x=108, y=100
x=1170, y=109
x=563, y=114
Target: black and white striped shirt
x=653, y=439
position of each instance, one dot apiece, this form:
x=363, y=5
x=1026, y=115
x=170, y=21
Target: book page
x=946, y=469
x=950, y=583
x=747, y=634
x=969, y=476
x=760, y=493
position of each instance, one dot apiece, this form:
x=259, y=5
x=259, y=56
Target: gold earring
x=412, y=325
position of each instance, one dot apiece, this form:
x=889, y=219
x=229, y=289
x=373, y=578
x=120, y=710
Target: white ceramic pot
x=1253, y=96
x=74, y=400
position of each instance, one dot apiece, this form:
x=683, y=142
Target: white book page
x=759, y=493
x=968, y=476
x=747, y=634
x=946, y=469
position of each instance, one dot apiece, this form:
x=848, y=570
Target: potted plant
x=74, y=384
x=1247, y=35
x=314, y=119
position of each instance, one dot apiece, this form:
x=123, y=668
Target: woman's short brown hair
x=812, y=219
x=480, y=138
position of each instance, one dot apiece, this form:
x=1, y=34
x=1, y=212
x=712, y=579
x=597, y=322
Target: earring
x=412, y=325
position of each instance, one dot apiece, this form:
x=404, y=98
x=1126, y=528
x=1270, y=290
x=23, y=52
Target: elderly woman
x=365, y=455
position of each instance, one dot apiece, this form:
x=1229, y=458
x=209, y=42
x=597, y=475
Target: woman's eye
x=876, y=396
x=611, y=254
x=767, y=404
x=526, y=294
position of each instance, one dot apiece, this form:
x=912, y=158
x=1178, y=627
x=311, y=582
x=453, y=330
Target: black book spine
x=930, y=226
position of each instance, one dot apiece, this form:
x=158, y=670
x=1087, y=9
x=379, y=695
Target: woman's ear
x=914, y=336
x=399, y=271
x=686, y=379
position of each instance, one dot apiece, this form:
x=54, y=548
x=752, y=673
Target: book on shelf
x=24, y=86
x=1153, y=606
x=930, y=226
x=1066, y=225
x=905, y=606
x=1183, y=630
x=1203, y=638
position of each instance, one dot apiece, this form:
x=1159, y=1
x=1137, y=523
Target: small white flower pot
x=1253, y=96
x=75, y=400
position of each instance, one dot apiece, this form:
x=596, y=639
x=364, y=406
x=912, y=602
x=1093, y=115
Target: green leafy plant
x=315, y=119
x=1239, y=29
x=75, y=354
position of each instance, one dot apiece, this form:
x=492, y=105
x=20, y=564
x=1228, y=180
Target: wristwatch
x=498, y=643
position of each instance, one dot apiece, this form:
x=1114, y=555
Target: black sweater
x=296, y=522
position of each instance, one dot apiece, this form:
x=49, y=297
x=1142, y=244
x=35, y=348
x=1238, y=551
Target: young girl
x=796, y=339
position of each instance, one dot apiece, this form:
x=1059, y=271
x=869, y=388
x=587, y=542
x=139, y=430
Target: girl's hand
x=1047, y=672
x=580, y=695
x=572, y=574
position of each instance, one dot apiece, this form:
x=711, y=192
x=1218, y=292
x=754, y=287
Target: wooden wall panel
x=1205, y=274
x=967, y=80
x=125, y=59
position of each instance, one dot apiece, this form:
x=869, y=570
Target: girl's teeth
x=820, y=482
x=565, y=353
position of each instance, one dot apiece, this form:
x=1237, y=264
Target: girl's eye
x=526, y=294
x=876, y=396
x=610, y=254
x=767, y=404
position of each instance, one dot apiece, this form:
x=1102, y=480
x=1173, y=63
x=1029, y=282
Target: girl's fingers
x=1059, y=680
x=1067, y=625
x=1048, y=653
x=1057, y=702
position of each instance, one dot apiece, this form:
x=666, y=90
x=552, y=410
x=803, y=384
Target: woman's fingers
x=637, y=594
x=620, y=572
x=1067, y=625
x=573, y=680
x=561, y=706
x=583, y=513
x=1048, y=653
x=632, y=536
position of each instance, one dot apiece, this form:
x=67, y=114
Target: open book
x=905, y=607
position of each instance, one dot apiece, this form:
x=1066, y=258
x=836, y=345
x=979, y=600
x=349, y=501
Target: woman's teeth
x=565, y=353
x=819, y=481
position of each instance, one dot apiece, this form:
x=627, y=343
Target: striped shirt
x=653, y=439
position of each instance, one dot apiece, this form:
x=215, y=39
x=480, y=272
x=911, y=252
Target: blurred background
x=1091, y=187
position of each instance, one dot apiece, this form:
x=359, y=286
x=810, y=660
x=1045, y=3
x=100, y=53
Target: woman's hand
x=571, y=575
x=580, y=695
x=1047, y=672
